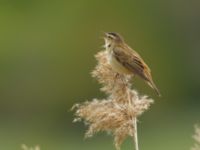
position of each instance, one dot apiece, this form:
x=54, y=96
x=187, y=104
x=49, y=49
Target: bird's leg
x=117, y=76
x=123, y=80
x=121, y=77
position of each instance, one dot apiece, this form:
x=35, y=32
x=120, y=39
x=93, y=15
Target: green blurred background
x=47, y=52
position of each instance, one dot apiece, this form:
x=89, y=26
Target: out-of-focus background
x=47, y=53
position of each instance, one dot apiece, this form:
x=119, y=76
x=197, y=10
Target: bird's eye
x=109, y=37
x=109, y=45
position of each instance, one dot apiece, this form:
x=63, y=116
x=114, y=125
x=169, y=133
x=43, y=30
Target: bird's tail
x=153, y=86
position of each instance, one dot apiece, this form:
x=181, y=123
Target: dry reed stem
x=116, y=114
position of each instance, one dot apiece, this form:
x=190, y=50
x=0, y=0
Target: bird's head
x=112, y=39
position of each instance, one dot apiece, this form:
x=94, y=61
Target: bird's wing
x=132, y=61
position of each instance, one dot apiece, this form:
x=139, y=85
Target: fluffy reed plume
x=116, y=114
x=196, y=138
x=24, y=147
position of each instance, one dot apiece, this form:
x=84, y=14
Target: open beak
x=104, y=37
x=105, y=34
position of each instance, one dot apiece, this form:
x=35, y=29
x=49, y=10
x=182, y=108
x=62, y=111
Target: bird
x=124, y=60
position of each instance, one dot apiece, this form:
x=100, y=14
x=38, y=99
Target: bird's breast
x=117, y=66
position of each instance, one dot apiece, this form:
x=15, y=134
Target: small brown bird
x=125, y=60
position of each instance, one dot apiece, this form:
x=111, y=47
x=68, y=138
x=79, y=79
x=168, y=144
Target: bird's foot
x=121, y=78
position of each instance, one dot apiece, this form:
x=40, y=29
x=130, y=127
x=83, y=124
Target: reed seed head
x=116, y=113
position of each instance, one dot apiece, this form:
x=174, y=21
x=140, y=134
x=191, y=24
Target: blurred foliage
x=46, y=55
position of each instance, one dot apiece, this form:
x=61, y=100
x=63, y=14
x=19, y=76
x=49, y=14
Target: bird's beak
x=104, y=35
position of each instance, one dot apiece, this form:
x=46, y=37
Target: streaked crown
x=114, y=36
